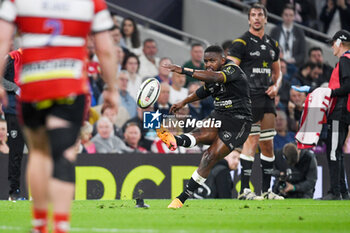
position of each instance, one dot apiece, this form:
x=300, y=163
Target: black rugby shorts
x=262, y=104
x=234, y=129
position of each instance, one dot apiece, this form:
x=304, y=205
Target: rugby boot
x=269, y=195
x=167, y=137
x=345, y=196
x=331, y=196
x=249, y=195
x=175, y=204
x=15, y=196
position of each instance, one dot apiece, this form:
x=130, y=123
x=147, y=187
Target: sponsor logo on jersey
x=253, y=40
x=223, y=103
x=263, y=47
x=227, y=135
x=229, y=70
x=57, y=68
x=262, y=71
x=256, y=53
x=13, y=133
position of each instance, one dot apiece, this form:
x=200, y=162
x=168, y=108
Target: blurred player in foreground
x=228, y=85
x=53, y=94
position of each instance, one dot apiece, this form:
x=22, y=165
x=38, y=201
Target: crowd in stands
x=123, y=131
x=328, y=16
x=108, y=131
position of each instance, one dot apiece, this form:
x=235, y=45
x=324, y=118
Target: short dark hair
x=114, y=14
x=196, y=45
x=314, y=49
x=288, y=6
x=215, y=49
x=130, y=55
x=312, y=65
x=148, y=40
x=132, y=123
x=165, y=58
x=257, y=6
x=226, y=44
x=290, y=151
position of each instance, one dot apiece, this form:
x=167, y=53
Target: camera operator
x=297, y=172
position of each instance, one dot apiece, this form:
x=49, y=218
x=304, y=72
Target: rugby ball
x=148, y=93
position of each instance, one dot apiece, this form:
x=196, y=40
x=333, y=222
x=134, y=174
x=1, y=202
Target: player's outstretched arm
x=202, y=75
x=108, y=62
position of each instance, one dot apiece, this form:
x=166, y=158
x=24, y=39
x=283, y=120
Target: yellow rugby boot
x=175, y=204
x=167, y=137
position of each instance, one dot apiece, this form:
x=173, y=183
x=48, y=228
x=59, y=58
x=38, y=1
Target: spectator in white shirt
x=177, y=90
x=149, y=62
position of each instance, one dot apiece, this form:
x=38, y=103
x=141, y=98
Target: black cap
x=342, y=35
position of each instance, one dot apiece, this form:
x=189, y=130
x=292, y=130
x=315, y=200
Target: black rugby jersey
x=256, y=56
x=231, y=96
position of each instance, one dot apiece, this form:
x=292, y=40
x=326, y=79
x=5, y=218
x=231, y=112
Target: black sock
x=246, y=172
x=334, y=171
x=267, y=169
x=188, y=192
x=183, y=140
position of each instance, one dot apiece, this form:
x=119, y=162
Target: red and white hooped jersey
x=53, y=39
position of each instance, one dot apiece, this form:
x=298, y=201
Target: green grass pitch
x=196, y=216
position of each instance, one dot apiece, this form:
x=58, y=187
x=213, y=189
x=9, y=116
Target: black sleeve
x=344, y=76
x=277, y=51
x=231, y=72
x=238, y=48
x=202, y=92
x=224, y=185
x=311, y=178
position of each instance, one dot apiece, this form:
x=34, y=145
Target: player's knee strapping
x=255, y=130
x=267, y=134
x=61, y=139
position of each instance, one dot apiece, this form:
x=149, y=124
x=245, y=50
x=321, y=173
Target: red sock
x=61, y=223
x=39, y=221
